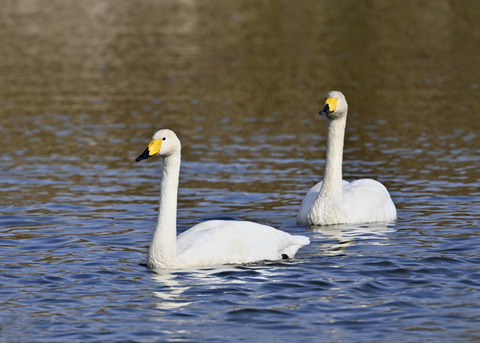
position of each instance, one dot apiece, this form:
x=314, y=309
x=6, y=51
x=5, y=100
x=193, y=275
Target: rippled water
x=83, y=89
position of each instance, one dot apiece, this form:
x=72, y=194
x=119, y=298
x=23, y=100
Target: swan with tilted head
x=214, y=242
x=333, y=200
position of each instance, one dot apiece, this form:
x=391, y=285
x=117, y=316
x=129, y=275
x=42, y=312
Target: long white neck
x=332, y=182
x=163, y=248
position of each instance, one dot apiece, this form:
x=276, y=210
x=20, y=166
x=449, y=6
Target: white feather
x=213, y=242
x=336, y=201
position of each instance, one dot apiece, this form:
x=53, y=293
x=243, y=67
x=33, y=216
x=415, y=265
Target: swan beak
x=153, y=149
x=143, y=156
x=330, y=106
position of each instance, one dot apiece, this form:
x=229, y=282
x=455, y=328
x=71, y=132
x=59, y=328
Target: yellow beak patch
x=332, y=104
x=154, y=147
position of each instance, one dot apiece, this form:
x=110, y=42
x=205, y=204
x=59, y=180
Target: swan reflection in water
x=171, y=294
x=175, y=286
x=346, y=235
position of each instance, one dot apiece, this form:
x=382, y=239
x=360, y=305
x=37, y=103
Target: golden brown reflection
x=95, y=79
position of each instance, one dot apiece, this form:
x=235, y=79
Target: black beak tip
x=325, y=110
x=143, y=156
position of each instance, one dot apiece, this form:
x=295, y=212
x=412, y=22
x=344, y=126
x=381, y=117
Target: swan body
x=214, y=242
x=336, y=201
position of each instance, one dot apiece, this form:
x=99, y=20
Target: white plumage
x=333, y=200
x=213, y=242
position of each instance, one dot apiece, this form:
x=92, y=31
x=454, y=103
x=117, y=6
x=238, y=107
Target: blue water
x=84, y=87
x=72, y=262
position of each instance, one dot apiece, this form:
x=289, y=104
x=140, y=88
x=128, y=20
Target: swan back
x=217, y=242
x=363, y=201
x=367, y=200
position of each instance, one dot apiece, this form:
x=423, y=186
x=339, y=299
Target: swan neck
x=163, y=248
x=332, y=182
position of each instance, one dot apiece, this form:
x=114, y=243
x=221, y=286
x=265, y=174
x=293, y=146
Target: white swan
x=210, y=243
x=334, y=201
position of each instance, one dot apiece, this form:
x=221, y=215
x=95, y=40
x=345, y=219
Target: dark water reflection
x=84, y=86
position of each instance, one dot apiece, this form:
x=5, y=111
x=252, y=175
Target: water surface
x=84, y=86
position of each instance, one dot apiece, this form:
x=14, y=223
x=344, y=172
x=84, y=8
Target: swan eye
x=164, y=138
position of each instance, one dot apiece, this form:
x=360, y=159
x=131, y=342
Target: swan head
x=164, y=143
x=335, y=105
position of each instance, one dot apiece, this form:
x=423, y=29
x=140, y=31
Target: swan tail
x=291, y=250
x=302, y=240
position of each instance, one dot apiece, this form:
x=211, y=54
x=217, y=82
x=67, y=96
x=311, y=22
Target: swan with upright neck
x=333, y=200
x=211, y=243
